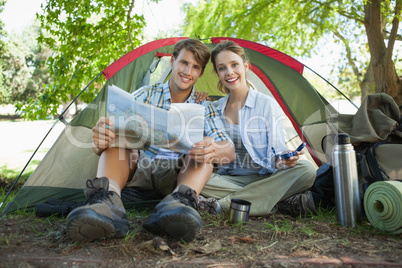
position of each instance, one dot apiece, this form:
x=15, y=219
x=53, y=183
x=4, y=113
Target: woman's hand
x=288, y=162
x=200, y=96
x=102, y=136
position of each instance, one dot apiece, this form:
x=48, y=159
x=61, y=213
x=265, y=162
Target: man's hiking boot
x=102, y=215
x=298, y=205
x=176, y=215
x=209, y=205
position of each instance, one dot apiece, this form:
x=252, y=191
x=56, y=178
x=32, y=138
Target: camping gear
x=377, y=120
x=381, y=162
x=376, y=134
x=239, y=210
x=71, y=161
x=383, y=206
x=346, y=183
x=55, y=207
x=323, y=188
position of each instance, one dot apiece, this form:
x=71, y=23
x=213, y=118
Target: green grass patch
x=8, y=176
x=44, y=150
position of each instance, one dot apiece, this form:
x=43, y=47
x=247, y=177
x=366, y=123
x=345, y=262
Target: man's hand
x=204, y=151
x=200, y=96
x=102, y=136
x=289, y=162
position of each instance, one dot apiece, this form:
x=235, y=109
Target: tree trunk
x=367, y=86
x=385, y=76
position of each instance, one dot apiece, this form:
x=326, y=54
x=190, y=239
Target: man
x=103, y=214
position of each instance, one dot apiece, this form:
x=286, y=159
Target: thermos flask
x=346, y=182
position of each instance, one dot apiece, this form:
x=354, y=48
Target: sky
x=15, y=17
x=164, y=16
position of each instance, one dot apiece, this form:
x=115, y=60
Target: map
x=139, y=125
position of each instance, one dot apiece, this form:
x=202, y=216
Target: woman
x=253, y=121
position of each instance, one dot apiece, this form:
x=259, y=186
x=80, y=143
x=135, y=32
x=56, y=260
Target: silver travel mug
x=239, y=210
x=346, y=182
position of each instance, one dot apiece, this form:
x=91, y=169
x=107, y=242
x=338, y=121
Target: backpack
x=376, y=134
x=379, y=162
x=323, y=187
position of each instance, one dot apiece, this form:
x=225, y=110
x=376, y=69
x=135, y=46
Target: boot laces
x=98, y=195
x=186, y=198
x=207, y=204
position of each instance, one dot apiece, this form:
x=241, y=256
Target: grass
x=276, y=226
x=280, y=226
x=276, y=234
x=10, y=175
x=43, y=150
x=131, y=235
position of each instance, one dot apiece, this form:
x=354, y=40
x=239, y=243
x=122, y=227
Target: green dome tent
x=71, y=161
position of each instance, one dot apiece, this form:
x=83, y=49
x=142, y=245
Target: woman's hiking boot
x=298, y=205
x=176, y=215
x=102, y=215
x=210, y=205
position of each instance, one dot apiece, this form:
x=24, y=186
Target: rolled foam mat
x=383, y=206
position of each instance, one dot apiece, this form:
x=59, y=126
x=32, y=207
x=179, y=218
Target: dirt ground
x=272, y=241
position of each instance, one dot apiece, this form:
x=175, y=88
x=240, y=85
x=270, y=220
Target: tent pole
x=332, y=86
x=61, y=119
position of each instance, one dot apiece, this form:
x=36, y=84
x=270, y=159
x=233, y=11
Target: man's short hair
x=198, y=48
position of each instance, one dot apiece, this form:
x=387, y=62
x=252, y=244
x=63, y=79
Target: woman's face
x=231, y=70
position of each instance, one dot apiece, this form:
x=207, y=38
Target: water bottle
x=346, y=182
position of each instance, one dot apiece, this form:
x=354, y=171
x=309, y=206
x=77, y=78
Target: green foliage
x=24, y=74
x=294, y=27
x=2, y=32
x=85, y=37
x=3, y=47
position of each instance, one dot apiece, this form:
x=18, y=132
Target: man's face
x=185, y=71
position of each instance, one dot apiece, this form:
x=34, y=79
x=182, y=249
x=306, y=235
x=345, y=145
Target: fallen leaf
x=246, y=239
x=209, y=248
x=159, y=243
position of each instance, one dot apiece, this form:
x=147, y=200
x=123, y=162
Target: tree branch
x=348, y=54
x=398, y=37
x=394, y=29
x=351, y=16
x=129, y=19
x=343, y=13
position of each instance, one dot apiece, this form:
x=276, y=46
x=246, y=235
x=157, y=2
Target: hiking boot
x=298, y=205
x=210, y=205
x=176, y=215
x=102, y=215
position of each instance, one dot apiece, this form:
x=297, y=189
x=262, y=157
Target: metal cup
x=239, y=210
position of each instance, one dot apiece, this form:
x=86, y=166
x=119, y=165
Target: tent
x=70, y=161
